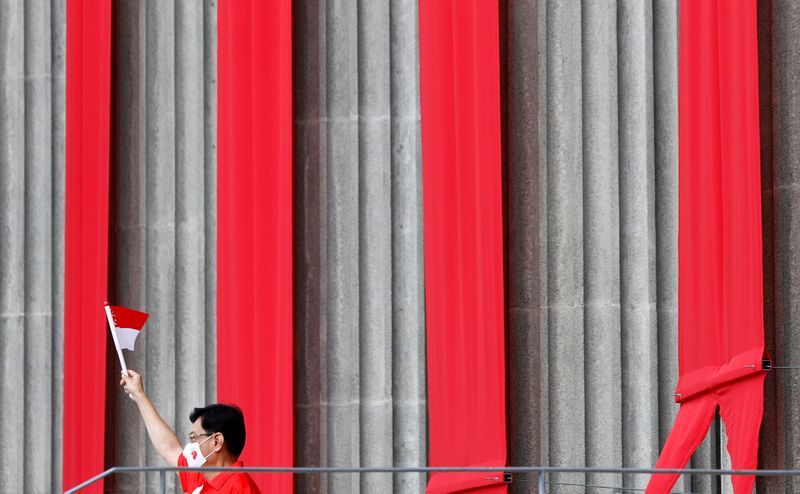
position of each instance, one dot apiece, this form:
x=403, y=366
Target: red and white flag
x=128, y=324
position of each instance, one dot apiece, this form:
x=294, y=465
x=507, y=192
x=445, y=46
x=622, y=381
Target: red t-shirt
x=223, y=483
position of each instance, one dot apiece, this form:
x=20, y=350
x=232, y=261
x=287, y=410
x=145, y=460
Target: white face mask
x=194, y=457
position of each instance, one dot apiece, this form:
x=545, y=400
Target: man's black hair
x=226, y=419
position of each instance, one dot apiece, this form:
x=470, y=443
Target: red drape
x=254, y=222
x=720, y=299
x=460, y=104
x=86, y=238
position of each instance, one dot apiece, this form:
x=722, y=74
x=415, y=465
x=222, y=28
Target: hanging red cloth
x=720, y=292
x=460, y=103
x=86, y=239
x=254, y=229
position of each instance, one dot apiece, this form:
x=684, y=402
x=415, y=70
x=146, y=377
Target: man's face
x=206, y=440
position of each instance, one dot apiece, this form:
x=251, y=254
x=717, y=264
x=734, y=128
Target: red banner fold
x=720, y=291
x=460, y=103
x=254, y=228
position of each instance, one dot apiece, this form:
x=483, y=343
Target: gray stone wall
x=779, y=33
x=590, y=167
x=359, y=316
x=32, y=97
x=591, y=197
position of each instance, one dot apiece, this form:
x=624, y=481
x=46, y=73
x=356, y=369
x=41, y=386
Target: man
x=216, y=440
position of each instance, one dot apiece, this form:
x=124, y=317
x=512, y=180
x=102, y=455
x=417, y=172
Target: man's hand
x=132, y=384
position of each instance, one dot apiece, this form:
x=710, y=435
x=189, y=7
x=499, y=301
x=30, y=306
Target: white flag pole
x=113, y=328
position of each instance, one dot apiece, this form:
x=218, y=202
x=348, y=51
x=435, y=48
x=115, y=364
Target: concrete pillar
x=526, y=179
x=611, y=231
x=359, y=296
x=126, y=443
x=665, y=103
x=665, y=63
x=210, y=193
x=162, y=256
x=565, y=242
x=786, y=190
x=58, y=43
x=190, y=194
x=12, y=243
x=160, y=186
x=726, y=483
x=343, y=287
x=543, y=252
x=637, y=239
x=601, y=221
x=309, y=131
x=407, y=258
x=771, y=441
x=38, y=370
x=375, y=241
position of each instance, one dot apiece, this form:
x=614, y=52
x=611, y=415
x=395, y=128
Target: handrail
x=542, y=471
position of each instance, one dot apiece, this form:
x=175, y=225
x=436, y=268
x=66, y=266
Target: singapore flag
x=127, y=323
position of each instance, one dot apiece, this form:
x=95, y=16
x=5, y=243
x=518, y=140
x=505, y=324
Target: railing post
x=541, y=481
x=162, y=480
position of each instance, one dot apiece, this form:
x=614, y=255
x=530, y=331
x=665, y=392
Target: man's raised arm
x=166, y=443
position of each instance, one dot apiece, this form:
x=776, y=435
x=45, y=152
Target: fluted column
x=32, y=126
x=786, y=190
x=12, y=246
x=602, y=263
x=611, y=235
x=638, y=239
x=39, y=252
x=771, y=440
x=308, y=154
x=375, y=241
x=342, y=352
x=127, y=230
x=408, y=293
x=58, y=43
x=665, y=148
x=525, y=182
x=359, y=317
x=162, y=257
x=565, y=238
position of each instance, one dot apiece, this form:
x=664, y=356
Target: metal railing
x=494, y=474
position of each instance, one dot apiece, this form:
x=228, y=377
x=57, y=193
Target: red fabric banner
x=86, y=239
x=460, y=104
x=254, y=228
x=720, y=292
